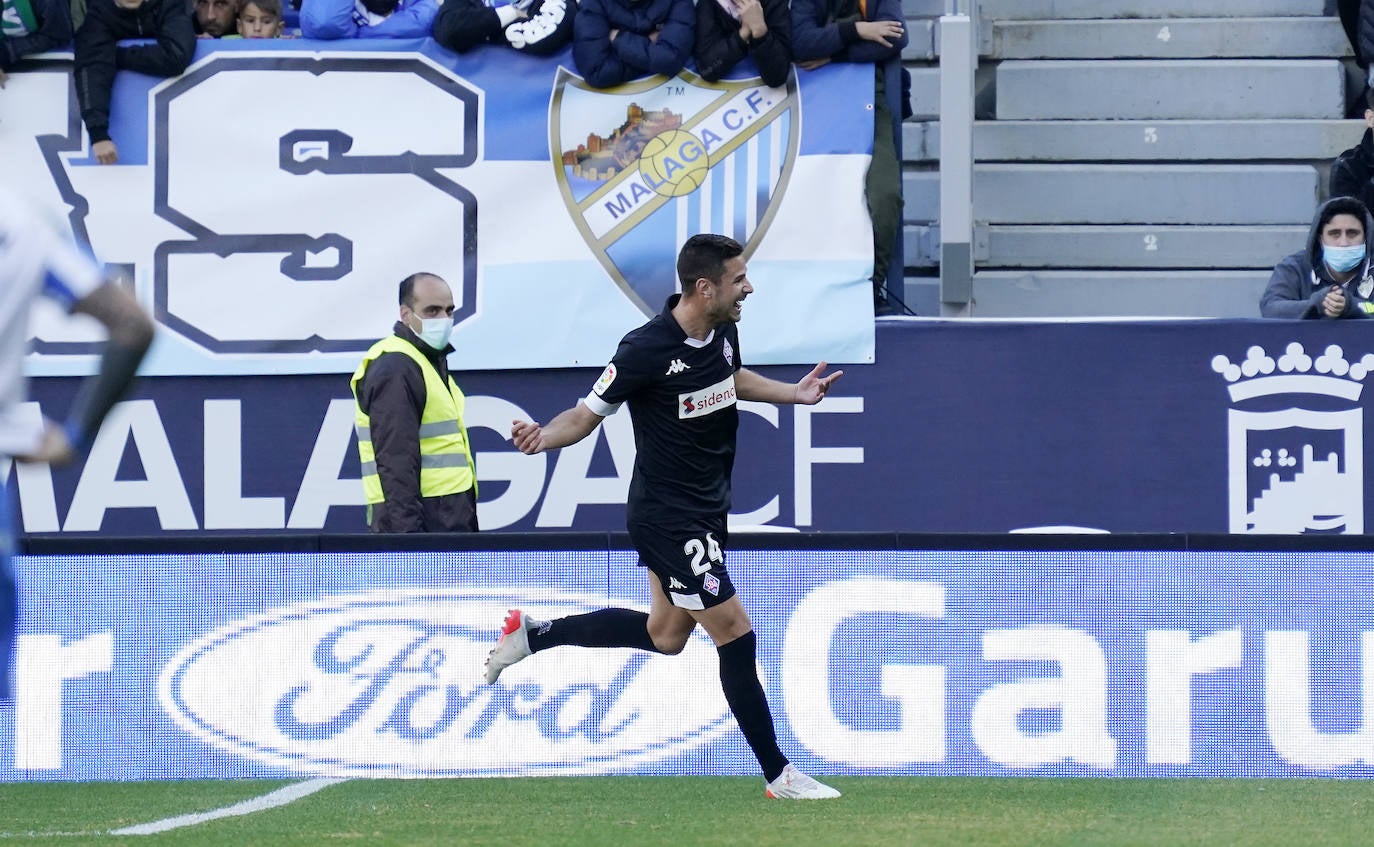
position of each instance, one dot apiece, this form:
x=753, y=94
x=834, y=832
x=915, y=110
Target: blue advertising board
x=919, y=660
x=1195, y=426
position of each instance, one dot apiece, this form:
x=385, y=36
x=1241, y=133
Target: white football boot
x=792, y=784
x=513, y=646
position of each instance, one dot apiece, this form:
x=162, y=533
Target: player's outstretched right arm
x=570, y=427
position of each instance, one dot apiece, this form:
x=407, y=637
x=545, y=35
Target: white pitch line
x=280, y=797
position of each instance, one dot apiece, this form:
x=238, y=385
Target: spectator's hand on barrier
x=1333, y=304
x=527, y=437
x=106, y=153
x=54, y=449
x=879, y=31
x=812, y=64
x=813, y=387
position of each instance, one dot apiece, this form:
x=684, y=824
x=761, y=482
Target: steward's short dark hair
x=704, y=256
x=407, y=292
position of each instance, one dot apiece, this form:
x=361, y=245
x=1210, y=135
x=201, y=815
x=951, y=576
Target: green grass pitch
x=678, y=811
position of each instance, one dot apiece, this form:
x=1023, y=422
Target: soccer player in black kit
x=682, y=377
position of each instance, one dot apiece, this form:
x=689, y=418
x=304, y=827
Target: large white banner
x=267, y=202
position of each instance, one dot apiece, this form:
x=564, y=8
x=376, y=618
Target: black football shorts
x=689, y=560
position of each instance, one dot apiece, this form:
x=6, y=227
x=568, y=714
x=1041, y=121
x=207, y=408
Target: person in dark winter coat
x=1352, y=174
x=538, y=27
x=31, y=26
x=1330, y=278
x=729, y=30
x=615, y=41
x=99, y=55
x=331, y=19
x=864, y=31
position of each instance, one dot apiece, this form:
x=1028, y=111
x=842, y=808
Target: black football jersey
x=681, y=394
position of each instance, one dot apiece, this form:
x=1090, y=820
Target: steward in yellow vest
x=417, y=464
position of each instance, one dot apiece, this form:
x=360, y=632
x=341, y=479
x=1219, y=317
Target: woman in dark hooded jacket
x=1330, y=278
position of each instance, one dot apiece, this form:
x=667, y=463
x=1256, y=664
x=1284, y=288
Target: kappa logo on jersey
x=604, y=381
x=707, y=400
x=677, y=366
x=638, y=163
x=674, y=582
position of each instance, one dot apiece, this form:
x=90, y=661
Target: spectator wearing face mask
x=417, y=467
x=1330, y=278
x=331, y=19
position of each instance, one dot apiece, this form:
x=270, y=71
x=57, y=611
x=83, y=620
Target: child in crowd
x=260, y=19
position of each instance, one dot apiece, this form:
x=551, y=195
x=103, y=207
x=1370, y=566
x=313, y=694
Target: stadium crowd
x=613, y=42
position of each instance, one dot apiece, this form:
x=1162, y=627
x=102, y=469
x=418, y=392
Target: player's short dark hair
x=407, y=291
x=704, y=256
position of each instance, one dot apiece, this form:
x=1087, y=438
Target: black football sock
x=602, y=628
x=739, y=679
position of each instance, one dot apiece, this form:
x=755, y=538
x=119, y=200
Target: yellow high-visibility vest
x=446, y=465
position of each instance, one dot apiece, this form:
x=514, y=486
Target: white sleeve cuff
x=601, y=407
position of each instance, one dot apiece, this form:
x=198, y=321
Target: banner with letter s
x=267, y=202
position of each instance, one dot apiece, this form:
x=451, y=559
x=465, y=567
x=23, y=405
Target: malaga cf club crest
x=1296, y=441
x=645, y=165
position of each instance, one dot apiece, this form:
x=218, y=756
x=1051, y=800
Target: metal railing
x=958, y=60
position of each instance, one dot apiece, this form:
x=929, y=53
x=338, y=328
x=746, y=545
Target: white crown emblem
x=1297, y=373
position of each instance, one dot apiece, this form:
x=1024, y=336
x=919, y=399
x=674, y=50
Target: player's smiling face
x=728, y=301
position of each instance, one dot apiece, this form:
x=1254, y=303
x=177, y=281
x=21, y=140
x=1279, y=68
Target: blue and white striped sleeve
x=68, y=273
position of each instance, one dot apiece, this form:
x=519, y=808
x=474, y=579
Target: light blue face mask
x=1342, y=259
x=435, y=332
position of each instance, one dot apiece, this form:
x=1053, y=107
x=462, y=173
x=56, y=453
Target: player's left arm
x=810, y=390
x=130, y=334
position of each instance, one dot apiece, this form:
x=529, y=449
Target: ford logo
x=388, y=683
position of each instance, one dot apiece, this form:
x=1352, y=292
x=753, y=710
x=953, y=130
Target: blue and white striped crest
x=644, y=166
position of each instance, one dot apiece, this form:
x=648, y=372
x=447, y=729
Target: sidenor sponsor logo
x=388, y=683
x=707, y=400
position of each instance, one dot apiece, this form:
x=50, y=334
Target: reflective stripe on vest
x=445, y=455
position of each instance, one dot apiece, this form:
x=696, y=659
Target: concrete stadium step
x=922, y=40
x=923, y=8
x=1209, y=247
x=1080, y=141
x=1090, y=9
x=1133, y=247
x=1170, y=38
x=1157, y=89
x=1126, y=194
x=1099, y=294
